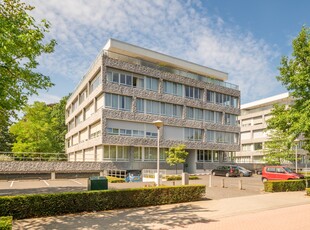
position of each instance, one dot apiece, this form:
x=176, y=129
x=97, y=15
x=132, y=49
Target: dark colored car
x=226, y=170
x=244, y=172
x=279, y=173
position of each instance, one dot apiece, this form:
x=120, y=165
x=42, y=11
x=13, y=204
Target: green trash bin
x=97, y=183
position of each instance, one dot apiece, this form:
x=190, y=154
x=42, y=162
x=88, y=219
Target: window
x=159, y=108
x=222, y=137
x=150, y=154
x=200, y=155
x=210, y=136
x=137, y=153
x=193, y=92
x=230, y=119
x=193, y=134
x=116, y=153
x=151, y=83
x=82, y=96
x=258, y=146
x=130, y=132
x=218, y=117
x=246, y=147
x=194, y=114
x=173, y=88
x=209, y=116
x=95, y=82
x=210, y=96
x=74, y=105
x=118, y=102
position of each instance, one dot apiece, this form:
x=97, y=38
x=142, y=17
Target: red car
x=279, y=173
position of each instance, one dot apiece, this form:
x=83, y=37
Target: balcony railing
x=30, y=156
x=169, y=69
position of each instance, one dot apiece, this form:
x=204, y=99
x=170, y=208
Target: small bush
x=112, y=179
x=6, y=222
x=308, y=191
x=285, y=185
x=177, y=177
x=38, y=205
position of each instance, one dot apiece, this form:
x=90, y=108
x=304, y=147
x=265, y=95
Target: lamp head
x=158, y=123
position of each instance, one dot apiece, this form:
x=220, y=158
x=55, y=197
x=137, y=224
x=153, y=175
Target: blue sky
x=245, y=38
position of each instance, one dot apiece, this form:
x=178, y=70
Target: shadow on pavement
x=159, y=217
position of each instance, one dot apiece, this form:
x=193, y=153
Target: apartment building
x=110, y=114
x=253, y=124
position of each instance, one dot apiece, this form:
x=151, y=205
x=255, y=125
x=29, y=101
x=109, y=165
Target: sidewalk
x=286, y=211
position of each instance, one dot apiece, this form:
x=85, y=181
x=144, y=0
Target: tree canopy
x=176, y=155
x=292, y=121
x=42, y=129
x=22, y=40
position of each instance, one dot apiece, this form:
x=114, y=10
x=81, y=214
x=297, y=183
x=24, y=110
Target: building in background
x=253, y=124
x=110, y=113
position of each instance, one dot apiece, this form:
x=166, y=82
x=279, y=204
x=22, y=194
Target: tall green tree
x=295, y=76
x=6, y=138
x=176, y=155
x=42, y=129
x=33, y=132
x=22, y=40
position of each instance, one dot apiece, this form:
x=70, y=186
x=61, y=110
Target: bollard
x=210, y=180
x=240, y=184
x=101, y=173
x=223, y=183
x=185, y=179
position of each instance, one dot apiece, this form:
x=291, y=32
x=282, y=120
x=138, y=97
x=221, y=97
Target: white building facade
x=110, y=113
x=253, y=128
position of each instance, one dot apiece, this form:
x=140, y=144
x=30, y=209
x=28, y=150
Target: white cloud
x=179, y=28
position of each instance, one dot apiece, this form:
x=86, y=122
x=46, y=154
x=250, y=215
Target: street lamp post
x=158, y=125
x=296, y=160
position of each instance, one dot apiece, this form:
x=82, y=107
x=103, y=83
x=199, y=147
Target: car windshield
x=241, y=168
x=288, y=170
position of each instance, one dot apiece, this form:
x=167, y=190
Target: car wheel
x=264, y=180
x=227, y=174
x=241, y=174
x=213, y=174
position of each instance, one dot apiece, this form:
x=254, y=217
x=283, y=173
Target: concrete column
x=53, y=175
x=185, y=178
x=102, y=173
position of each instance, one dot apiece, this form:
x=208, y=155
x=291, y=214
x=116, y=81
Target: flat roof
x=266, y=101
x=124, y=48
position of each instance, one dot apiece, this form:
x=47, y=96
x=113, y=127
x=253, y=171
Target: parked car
x=226, y=170
x=279, y=173
x=244, y=172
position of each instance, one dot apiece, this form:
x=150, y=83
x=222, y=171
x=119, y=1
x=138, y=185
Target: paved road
x=285, y=211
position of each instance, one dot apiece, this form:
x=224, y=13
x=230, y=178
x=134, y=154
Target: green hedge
x=6, y=222
x=177, y=177
x=285, y=185
x=37, y=205
x=308, y=191
x=112, y=179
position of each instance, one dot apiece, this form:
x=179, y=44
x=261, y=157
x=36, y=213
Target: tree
x=294, y=120
x=295, y=76
x=279, y=148
x=42, y=129
x=176, y=155
x=21, y=42
x=33, y=132
x=6, y=138
x=58, y=125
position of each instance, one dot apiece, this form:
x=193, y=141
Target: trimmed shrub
x=177, y=177
x=112, y=179
x=285, y=185
x=308, y=191
x=6, y=222
x=37, y=205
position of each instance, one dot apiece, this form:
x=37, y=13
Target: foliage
x=177, y=177
x=22, y=41
x=176, y=155
x=295, y=76
x=308, y=191
x=6, y=138
x=6, y=222
x=42, y=129
x=112, y=179
x=278, y=149
x=285, y=185
x=37, y=205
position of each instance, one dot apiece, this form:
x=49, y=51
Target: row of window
x=210, y=116
x=159, y=108
x=190, y=134
x=173, y=88
x=214, y=156
x=131, y=133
